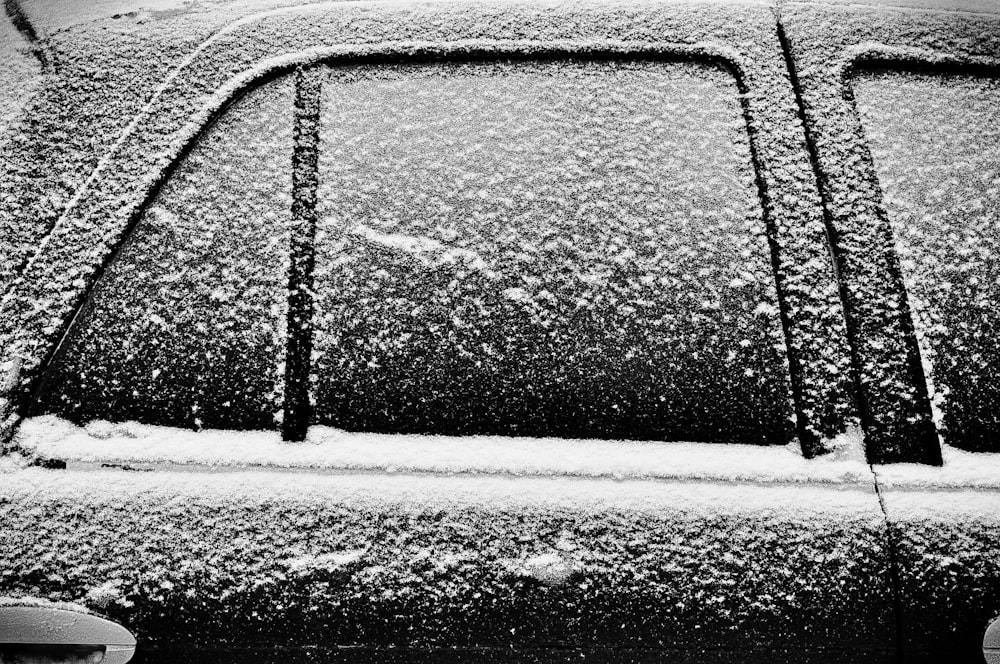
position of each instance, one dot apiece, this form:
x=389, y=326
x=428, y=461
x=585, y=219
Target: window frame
x=41, y=304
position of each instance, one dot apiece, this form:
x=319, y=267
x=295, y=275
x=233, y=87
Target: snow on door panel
x=553, y=248
x=935, y=141
x=186, y=327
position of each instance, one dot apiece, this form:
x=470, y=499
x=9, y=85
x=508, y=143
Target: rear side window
x=186, y=326
x=935, y=142
x=549, y=248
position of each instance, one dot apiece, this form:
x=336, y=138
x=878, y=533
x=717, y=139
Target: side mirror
x=43, y=635
x=991, y=643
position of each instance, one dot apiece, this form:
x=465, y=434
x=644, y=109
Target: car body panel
x=222, y=545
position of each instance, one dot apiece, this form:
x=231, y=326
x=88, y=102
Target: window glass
x=186, y=327
x=935, y=141
x=564, y=248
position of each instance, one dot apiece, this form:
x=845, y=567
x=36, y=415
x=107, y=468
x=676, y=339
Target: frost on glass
x=935, y=141
x=186, y=327
x=554, y=248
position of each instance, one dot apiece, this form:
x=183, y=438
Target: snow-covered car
x=528, y=331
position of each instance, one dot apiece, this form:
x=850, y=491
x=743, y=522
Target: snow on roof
x=55, y=15
x=51, y=16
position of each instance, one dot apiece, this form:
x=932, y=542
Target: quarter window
x=186, y=326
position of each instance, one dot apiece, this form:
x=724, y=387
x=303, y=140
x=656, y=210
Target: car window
x=541, y=248
x=563, y=248
x=935, y=142
x=186, y=326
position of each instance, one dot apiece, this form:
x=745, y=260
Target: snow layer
x=327, y=449
x=961, y=469
x=186, y=325
x=935, y=141
x=44, y=603
x=986, y=6
x=267, y=558
x=948, y=551
x=111, y=125
x=55, y=15
x=20, y=75
x=107, y=71
x=545, y=248
x=137, y=445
